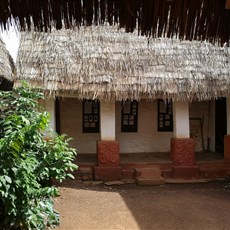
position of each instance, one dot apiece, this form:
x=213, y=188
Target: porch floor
x=210, y=165
x=149, y=157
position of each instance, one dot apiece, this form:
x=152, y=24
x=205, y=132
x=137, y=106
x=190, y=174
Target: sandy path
x=180, y=206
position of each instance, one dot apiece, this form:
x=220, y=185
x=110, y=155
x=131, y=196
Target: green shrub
x=28, y=162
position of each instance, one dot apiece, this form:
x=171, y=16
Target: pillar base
x=107, y=173
x=183, y=151
x=108, y=153
x=185, y=172
x=108, y=168
x=183, y=156
x=227, y=147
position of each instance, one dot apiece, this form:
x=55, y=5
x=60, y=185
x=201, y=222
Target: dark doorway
x=221, y=124
x=5, y=85
x=57, y=115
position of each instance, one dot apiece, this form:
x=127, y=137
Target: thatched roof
x=188, y=19
x=6, y=67
x=106, y=63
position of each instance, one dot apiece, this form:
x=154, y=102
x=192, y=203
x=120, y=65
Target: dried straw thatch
x=108, y=64
x=189, y=19
x=6, y=67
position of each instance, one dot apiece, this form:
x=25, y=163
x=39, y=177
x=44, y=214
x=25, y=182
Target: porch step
x=84, y=173
x=148, y=176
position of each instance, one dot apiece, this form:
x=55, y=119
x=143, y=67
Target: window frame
x=165, y=115
x=90, y=116
x=129, y=116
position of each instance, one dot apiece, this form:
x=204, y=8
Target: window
x=129, y=116
x=165, y=116
x=91, y=116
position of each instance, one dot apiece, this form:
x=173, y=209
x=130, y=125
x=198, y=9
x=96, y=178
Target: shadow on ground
x=170, y=206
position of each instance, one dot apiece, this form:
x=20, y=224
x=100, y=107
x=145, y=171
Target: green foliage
x=28, y=162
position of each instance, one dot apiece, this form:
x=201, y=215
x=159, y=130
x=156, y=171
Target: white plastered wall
x=181, y=119
x=147, y=139
x=71, y=124
x=108, y=120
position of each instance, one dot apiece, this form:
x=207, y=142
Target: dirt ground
x=129, y=206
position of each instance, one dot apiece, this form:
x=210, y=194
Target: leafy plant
x=29, y=162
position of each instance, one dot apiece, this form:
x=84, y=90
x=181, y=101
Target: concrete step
x=148, y=176
x=84, y=173
x=153, y=181
x=148, y=172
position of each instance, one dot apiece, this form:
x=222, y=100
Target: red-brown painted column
x=108, y=154
x=108, y=168
x=227, y=137
x=227, y=147
x=182, y=146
